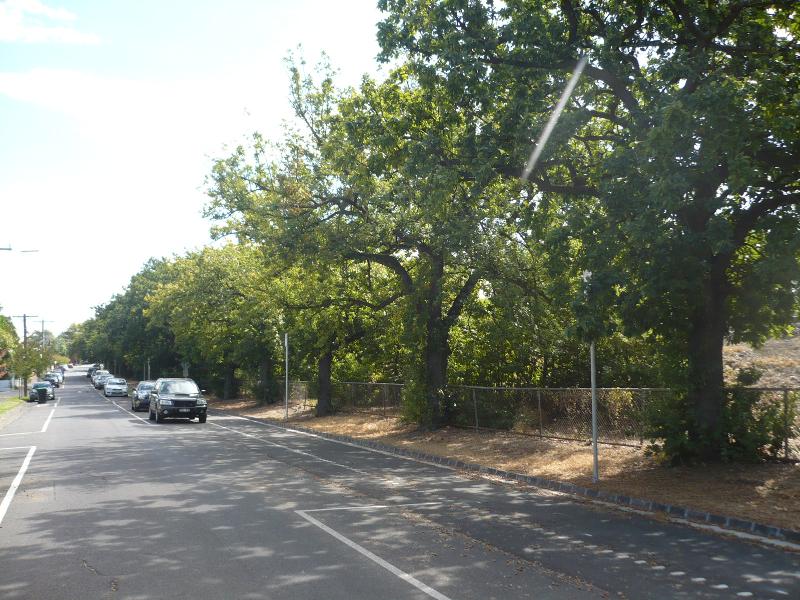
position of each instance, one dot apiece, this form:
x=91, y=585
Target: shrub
x=752, y=428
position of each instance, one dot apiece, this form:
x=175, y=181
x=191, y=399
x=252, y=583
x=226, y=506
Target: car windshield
x=116, y=381
x=179, y=387
x=146, y=386
x=41, y=384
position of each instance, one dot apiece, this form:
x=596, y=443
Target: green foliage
x=8, y=341
x=748, y=376
x=674, y=169
x=388, y=227
x=753, y=427
x=29, y=358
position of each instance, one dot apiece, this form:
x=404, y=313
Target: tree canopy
x=389, y=232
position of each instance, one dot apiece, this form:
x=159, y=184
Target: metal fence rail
x=780, y=408
x=383, y=399
x=564, y=413
x=559, y=413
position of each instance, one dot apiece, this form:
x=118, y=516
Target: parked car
x=100, y=380
x=141, y=395
x=53, y=378
x=41, y=391
x=97, y=374
x=91, y=371
x=60, y=374
x=115, y=386
x=177, y=398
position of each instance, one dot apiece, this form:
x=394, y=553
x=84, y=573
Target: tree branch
x=461, y=298
x=391, y=263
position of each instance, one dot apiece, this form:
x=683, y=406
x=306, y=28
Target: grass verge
x=8, y=403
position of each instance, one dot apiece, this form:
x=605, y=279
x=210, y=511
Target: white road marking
x=15, y=448
x=705, y=527
x=125, y=410
x=647, y=514
x=370, y=507
x=293, y=450
x=47, y=422
x=20, y=433
x=351, y=445
x=15, y=484
x=374, y=558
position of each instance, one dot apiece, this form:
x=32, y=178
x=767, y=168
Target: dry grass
x=778, y=359
x=767, y=493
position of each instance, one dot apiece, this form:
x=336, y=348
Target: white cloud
x=33, y=22
x=131, y=185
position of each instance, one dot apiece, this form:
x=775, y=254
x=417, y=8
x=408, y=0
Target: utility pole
x=286, y=391
x=25, y=347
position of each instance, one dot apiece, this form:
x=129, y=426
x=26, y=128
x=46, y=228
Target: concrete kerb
x=685, y=513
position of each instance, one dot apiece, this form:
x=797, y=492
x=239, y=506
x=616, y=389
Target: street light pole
x=286, y=369
x=587, y=279
x=592, y=366
x=24, y=318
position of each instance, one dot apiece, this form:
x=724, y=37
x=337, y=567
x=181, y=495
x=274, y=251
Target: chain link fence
x=778, y=409
x=384, y=399
x=558, y=413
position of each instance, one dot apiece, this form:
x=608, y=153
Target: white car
x=115, y=387
x=96, y=375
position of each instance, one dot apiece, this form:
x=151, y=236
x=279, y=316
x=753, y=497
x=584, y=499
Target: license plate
x=183, y=410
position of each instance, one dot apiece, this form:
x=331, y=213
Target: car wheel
x=201, y=418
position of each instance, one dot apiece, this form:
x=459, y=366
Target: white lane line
x=15, y=448
x=15, y=484
x=375, y=558
x=20, y=433
x=47, y=422
x=732, y=533
x=293, y=450
x=351, y=445
x=371, y=506
x=125, y=410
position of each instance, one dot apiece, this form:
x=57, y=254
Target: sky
x=111, y=114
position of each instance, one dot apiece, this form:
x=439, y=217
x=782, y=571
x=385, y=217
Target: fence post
x=475, y=408
x=539, y=403
x=786, y=431
x=383, y=396
x=645, y=397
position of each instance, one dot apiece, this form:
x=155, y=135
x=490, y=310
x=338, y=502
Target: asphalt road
x=98, y=502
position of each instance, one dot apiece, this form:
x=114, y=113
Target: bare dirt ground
x=779, y=360
x=768, y=493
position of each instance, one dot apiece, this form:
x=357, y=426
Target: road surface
x=98, y=502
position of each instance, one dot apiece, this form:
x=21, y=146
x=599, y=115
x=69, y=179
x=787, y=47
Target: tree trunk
x=266, y=380
x=437, y=354
x=229, y=388
x=706, y=395
x=437, y=348
x=324, y=363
